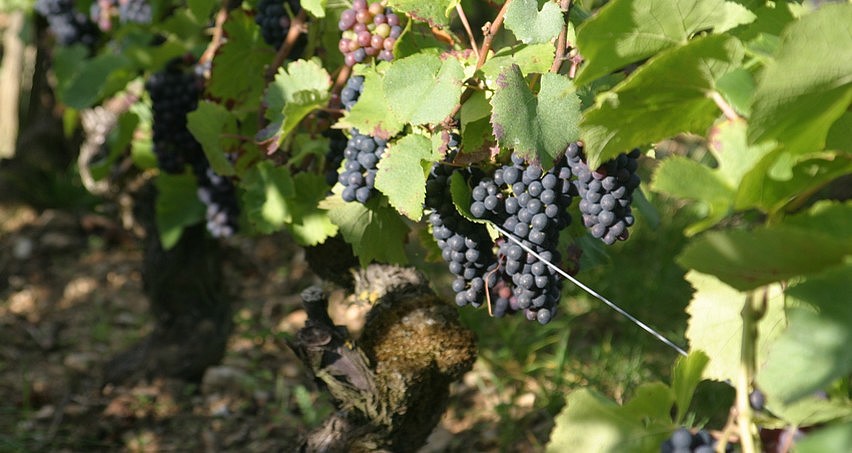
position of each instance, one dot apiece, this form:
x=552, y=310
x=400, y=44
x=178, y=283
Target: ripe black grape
x=358, y=174
x=606, y=193
x=465, y=246
x=274, y=18
x=369, y=30
x=683, y=440
x=69, y=25
x=531, y=205
x=174, y=94
x=352, y=91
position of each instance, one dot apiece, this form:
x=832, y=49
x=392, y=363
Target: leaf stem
x=726, y=108
x=296, y=28
x=469, y=31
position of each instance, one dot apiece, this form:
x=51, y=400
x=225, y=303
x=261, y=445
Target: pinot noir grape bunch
x=605, y=193
x=174, y=94
x=465, y=246
x=358, y=174
x=369, y=30
x=531, y=205
x=69, y=25
x=274, y=18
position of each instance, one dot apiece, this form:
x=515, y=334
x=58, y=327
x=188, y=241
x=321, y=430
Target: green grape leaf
x=402, y=174
x=82, y=81
x=423, y=88
x=201, y=9
x=749, y=259
x=177, y=206
x=433, y=12
x=531, y=25
x=537, y=128
x=590, y=422
x=829, y=218
x=727, y=140
x=809, y=84
x=238, y=68
x=310, y=225
x=372, y=115
x=809, y=411
x=715, y=324
x=213, y=125
x=265, y=199
x=628, y=31
x=376, y=232
x=652, y=401
x=837, y=437
x=294, y=93
x=685, y=378
x=666, y=96
x=682, y=177
x=315, y=7
x=839, y=137
x=780, y=178
x=737, y=87
x=535, y=58
x=814, y=349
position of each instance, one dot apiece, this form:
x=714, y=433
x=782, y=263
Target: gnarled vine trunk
x=391, y=385
x=189, y=303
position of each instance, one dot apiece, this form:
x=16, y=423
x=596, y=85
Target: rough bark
x=391, y=385
x=190, y=305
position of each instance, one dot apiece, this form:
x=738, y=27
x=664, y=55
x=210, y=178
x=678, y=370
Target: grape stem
x=489, y=31
x=296, y=28
x=723, y=105
x=562, y=40
x=218, y=32
x=469, y=31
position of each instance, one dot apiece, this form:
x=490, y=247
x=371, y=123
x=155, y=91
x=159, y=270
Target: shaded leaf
x=372, y=114
x=211, y=124
x=809, y=85
x=177, y=206
x=627, y=31
x=814, y=349
x=666, y=96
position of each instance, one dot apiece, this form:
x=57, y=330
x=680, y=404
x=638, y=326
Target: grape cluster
x=68, y=25
x=362, y=152
x=532, y=205
x=219, y=195
x=274, y=18
x=683, y=441
x=358, y=176
x=352, y=91
x=334, y=156
x=465, y=246
x=174, y=94
x=605, y=193
x=128, y=11
x=369, y=30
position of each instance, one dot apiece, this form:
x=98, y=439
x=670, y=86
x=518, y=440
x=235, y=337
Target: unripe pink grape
x=377, y=41
x=376, y=8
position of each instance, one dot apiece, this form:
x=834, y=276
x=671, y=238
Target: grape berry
x=605, y=193
x=369, y=30
x=683, y=441
x=174, y=94
x=69, y=25
x=274, y=18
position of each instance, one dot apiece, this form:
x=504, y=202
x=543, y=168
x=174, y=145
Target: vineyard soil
x=74, y=298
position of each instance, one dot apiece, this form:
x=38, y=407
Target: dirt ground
x=71, y=297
